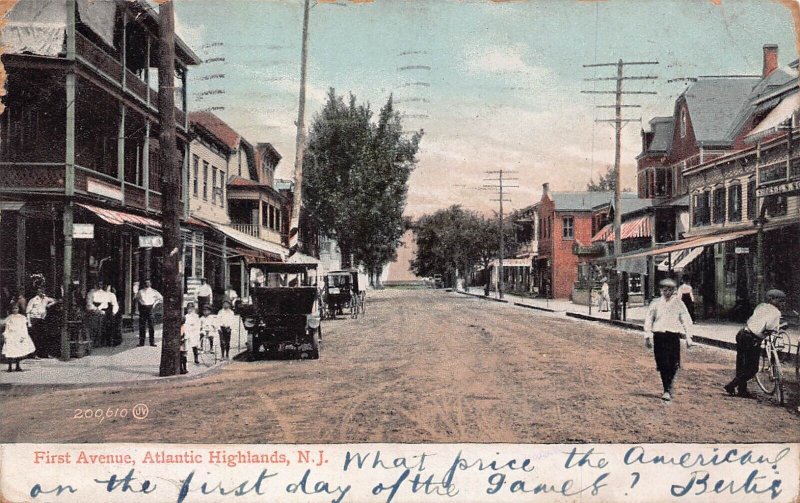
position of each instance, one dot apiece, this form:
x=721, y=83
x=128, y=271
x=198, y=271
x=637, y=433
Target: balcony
x=97, y=59
x=257, y=231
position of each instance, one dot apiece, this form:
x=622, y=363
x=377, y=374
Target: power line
x=500, y=186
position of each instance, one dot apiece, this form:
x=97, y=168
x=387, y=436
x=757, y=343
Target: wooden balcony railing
x=37, y=176
x=258, y=232
x=107, y=64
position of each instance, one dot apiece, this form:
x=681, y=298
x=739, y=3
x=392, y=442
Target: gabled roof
x=774, y=81
x=630, y=202
x=217, y=128
x=714, y=105
x=579, y=201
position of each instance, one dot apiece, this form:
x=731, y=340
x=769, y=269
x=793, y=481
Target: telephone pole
x=499, y=186
x=170, y=183
x=618, y=123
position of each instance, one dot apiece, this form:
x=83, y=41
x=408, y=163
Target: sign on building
x=783, y=188
x=83, y=231
x=151, y=241
x=742, y=250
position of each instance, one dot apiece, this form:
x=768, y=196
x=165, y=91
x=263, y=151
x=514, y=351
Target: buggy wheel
x=354, y=307
x=765, y=376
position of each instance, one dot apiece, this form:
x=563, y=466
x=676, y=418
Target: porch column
x=651, y=261
x=69, y=180
x=21, y=236
x=146, y=163
x=260, y=221
x=121, y=150
x=226, y=273
x=185, y=191
x=147, y=68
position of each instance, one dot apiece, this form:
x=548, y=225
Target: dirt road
x=426, y=366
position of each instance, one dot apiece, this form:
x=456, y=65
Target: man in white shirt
x=665, y=322
x=766, y=318
x=204, y=294
x=147, y=298
x=37, y=312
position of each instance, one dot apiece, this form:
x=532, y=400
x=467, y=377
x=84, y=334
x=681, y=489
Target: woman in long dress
x=17, y=342
x=192, y=330
x=686, y=294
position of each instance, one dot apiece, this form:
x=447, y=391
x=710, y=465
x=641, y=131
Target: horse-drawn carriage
x=344, y=292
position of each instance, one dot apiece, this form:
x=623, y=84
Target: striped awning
x=638, y=228
x=120, y=217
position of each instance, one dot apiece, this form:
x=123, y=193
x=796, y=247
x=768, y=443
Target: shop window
x=196, y=172
x=719, y=205
x=735, y=203
x=752, y=205
x=775, y=205
x=568, y=228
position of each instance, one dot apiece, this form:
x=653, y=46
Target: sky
x=493, y=85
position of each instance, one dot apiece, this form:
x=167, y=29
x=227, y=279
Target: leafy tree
x=606, y=182
x=357, y=180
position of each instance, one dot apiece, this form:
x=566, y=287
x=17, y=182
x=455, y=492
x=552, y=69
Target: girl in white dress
x=192, y=330
x=17, y=342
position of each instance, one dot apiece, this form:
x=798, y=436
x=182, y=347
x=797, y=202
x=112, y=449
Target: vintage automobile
x=339, y=294
x=282, y=317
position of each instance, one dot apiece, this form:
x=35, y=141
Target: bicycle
x=205, y=353
x=770, y=373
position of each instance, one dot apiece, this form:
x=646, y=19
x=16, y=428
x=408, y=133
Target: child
x=184, y=370
x=208, y=326
x=225, y=320
x=192, y=324
x=17, y=341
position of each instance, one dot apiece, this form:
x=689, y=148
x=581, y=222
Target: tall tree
x=606, y=182
x=357, y=178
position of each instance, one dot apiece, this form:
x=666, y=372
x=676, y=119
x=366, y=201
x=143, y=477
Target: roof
x=714, y=105
x=755, y=102
x=579, y=201
x=217, y=128
x=779, y=115
x=662, y=129
x=629, y=201
x=238, y=181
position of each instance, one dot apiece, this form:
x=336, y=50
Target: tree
x=357, y=179
x=607, y=182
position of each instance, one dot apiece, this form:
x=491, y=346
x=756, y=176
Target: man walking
x=765, y=319
x=204, y=294
x=147, y=298
x=666, y=320
x=37, y=312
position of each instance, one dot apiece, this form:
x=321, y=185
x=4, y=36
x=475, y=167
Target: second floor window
x=196, y=173
x=568, y=231
x=702, y=209
x=213, y=185
x=775, y=205
x=752, y=204
x=735, y=203
x=719, y=205
x=205, y=180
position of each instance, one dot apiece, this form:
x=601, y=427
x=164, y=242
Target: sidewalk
x=714, y=333
x=125, y=363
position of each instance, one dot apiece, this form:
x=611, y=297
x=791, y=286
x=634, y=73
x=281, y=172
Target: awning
x=302, y=258
x=637, y=228
x=273, y=249
x=680, y=259
x=695, y=242
x=775, y=118
x=120, y=217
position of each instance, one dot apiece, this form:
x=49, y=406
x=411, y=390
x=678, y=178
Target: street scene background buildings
x=710, y=176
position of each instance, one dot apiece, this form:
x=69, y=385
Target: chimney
x=770, y=59
x=546, y=189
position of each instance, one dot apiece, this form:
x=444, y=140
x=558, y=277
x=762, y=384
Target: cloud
x=193, y=35
x=502, y=60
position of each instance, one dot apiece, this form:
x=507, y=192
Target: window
x=213, y=185
x=702, y=209
x=719, y=205
x=221, y=188
x=735, y=203
x=752, y=203
x=684, y=121
x=568, y=230
x=661, y=182
x=196, y=170
x=205, y=180
x=775, y=205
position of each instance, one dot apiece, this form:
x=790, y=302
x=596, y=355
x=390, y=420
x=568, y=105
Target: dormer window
x=683, y=122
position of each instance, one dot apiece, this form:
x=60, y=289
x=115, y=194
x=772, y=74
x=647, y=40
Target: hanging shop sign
x=83, y=231
x=151, y=241
x=742, y=250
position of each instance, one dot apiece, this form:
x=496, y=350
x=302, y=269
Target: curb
x=618, y=323
x=477, y=296
x=546, y=309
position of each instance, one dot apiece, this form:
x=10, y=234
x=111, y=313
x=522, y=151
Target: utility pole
x=300, y=141
x=171, y=200
x=618, y=123
x=499, y=186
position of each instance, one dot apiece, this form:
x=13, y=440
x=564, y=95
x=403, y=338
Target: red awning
x=695, y=242
x=119, y=217
x=638, y=228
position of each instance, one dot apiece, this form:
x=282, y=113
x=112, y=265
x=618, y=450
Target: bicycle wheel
x=765, y=376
